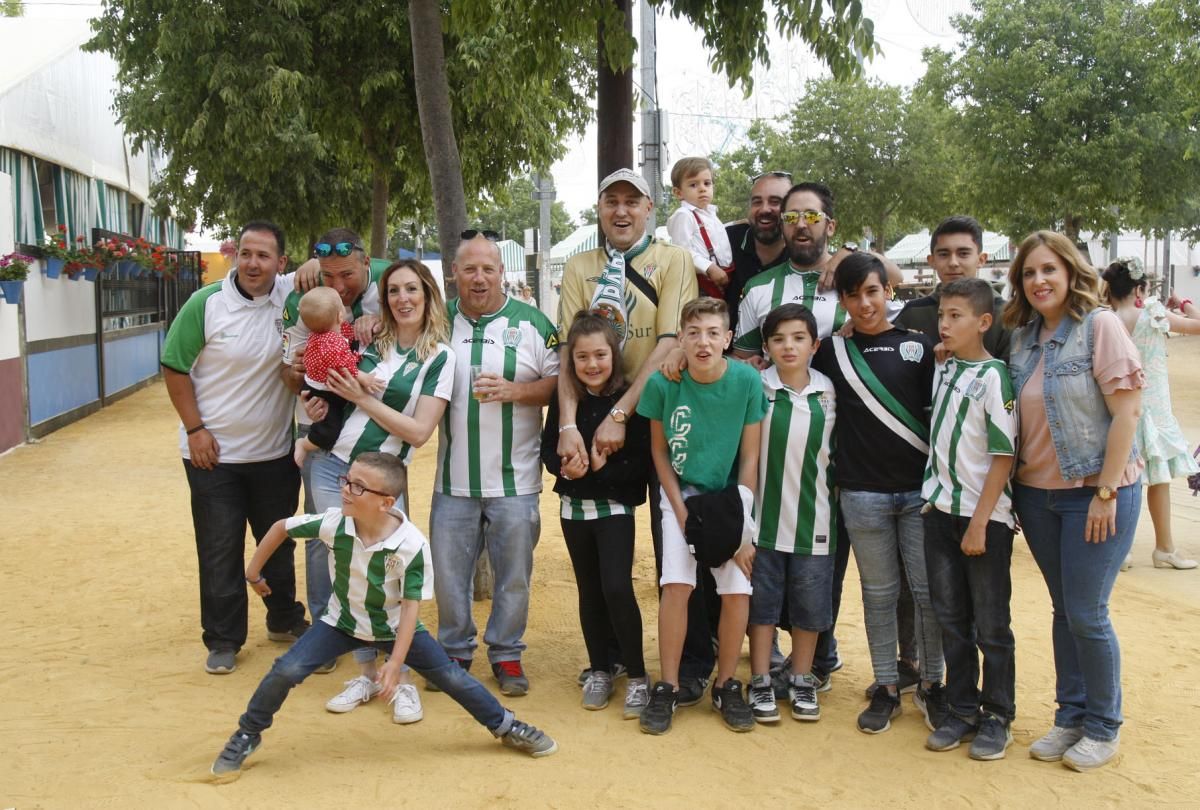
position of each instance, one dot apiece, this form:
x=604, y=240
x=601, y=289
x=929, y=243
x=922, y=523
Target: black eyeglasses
x=357, y=488
x=471, y=233
x=324, y=249
x=785, y=175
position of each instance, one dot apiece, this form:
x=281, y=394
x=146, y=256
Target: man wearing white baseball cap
x=640, y=285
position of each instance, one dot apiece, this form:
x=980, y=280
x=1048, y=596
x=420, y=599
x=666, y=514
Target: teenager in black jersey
x=884, y=380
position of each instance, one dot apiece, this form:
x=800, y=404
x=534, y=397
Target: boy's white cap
x=626, y=176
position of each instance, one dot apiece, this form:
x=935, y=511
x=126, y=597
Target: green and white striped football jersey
x=591, y=509
x=784, y=284
x=491, y=449
x=369, y=581
x=795, y=503
x=408, y=379
x=972, y=422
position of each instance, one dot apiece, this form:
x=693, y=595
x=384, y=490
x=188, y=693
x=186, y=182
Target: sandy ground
x=106, y=704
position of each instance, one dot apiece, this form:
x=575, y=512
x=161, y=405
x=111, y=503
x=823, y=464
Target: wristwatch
x=619, y=416
x=1106, y=493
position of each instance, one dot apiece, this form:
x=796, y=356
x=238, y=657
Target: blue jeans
x=224, y=500
x=326, y=494
x=1080, y=577
x=324, y=643
x=886, y=532
x=459, y=528
x=971, y=598
x=316, y=571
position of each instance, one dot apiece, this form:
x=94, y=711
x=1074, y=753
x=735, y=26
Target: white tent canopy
x=56, y=106
x=56, y=100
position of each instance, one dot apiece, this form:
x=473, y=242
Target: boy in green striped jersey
x=969, y=525
x=382, y=572
x=796, y=512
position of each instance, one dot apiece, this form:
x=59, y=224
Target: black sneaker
x=735, y=712
x=932, y=703
x=762, y=699
x=992, y=740
x=289, y=634
x=824, y=679
x=691, y=690
x=877, y=717
x=240, y=746
x=910, y=679
x=949, y=734
x=803, y=698
x=656, y=716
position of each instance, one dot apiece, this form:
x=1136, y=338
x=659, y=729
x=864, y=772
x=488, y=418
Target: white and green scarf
x=608, y=300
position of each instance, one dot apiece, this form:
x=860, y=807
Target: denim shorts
x=806, y=579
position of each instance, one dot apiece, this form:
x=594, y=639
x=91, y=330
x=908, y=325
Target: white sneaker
x=1056, y=742
x=637, y=695
x=1089, y=754
x=406, y=705
x=358, y=691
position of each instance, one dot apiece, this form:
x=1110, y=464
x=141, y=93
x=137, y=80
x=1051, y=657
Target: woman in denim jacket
x=1078, y=380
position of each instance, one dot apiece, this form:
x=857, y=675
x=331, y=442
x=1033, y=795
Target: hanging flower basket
x=12, y=290
x=54, y=267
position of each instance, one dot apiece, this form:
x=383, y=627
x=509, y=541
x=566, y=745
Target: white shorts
x=678, y=562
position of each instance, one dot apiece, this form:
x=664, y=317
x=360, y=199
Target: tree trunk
x=614, y=106
x=437, y=128
x=379, y=207
x=1071, y=228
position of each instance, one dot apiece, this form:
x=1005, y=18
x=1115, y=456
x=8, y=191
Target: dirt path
x=106, y=704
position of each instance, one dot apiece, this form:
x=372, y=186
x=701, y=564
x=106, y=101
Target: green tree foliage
x=512, y=209
x=880, y=149
x=12, y=8
x=1061, y=113
x=301, y=110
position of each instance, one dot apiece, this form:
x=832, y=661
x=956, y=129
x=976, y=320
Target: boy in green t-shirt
x=699, y=427
x=384, y=571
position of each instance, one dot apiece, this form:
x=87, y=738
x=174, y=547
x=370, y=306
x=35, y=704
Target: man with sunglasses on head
x=340, y=262
x=489, y=474
x=220, y=361
x=757, y=241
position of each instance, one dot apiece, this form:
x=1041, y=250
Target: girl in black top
x=598, y=498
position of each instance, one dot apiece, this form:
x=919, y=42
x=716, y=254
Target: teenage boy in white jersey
x=220, y=363
x=796, y=512
x=381, y=573
x=969, y=525
x=884, y=378
x=489, y=472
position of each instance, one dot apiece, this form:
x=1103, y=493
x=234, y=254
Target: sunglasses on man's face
x=785, y=175
x=491, y=236
x=810, y=216
x=324, y=249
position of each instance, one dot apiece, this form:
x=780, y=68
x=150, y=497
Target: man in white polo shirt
x=221, y=366
x=489, y=472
